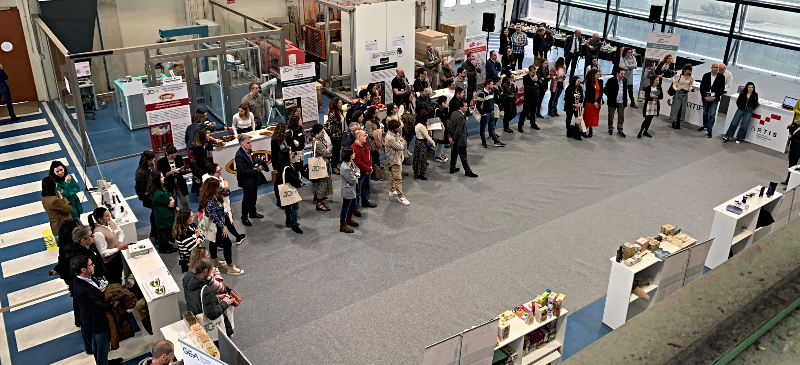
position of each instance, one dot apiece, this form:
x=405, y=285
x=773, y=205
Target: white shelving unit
x=549, y=353
x=622, y=305
x=733, y=233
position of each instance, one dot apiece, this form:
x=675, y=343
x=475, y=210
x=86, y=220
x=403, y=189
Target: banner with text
x=479, y=46
x=659, y=45
x=168, y=115
x=382, y=69
x=299, y=85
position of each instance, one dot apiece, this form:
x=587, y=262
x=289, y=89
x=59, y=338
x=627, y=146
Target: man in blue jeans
x=363, y=161
x=485, y=104
x=711, y=89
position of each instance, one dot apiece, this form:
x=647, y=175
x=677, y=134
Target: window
x=587, y=21
x=772, y=59
x=638, y=5
x=479, y=1
x=464, y=2
x=706, y=12
x=449, y=3
x=772, y=23
x=634, y=31
x=543, y=11
x=702, y=44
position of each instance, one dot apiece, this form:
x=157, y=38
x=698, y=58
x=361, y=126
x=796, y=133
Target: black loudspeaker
x=655, y=13
x=488, y=22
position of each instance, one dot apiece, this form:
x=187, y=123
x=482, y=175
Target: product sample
x=558, y=304
x=668, y=229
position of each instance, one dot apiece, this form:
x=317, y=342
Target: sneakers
x=701, y=129
x=233, y=270
x=442, y=159
x=392, y=194
x=404, y=201
x=738, y=141
x=483, y=144
x=499, y=144
x=725, y=139
x=241, y=239
x=218, y=263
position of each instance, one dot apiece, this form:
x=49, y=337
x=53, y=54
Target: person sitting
x=162, y=353
x=424, y=98
x=205, y=302
x=109, y=240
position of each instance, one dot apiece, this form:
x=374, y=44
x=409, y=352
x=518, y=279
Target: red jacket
x=363, y=158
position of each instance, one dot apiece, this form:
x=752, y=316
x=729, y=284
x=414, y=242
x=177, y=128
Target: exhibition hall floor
x=546, y=212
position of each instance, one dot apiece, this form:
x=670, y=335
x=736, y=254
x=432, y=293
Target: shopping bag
x=379, y=172
x=207, y=227
x=288, y=193
x=210, y=325
x=317, y=167
x=579, y=121
x=496, y=112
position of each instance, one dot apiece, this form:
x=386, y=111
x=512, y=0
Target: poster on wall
x=168, y=115
x=659, y=45
x=477, y=45
x=399, y=45
x=382, y=69
x=299, y=85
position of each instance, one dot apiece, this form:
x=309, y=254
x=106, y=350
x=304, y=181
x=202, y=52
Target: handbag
x=496, y=112
x=317, y=167
x=579, y=121
x=288, y=193
x=671, y=90
x=207, y=227
x=210, y=325
x=379, y=172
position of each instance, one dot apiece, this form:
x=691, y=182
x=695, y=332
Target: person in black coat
x=612, y=92
x=293, y=179
x=539, y=45
x=248, y=169
x=543, y=74
x=200, y=147
x=652, y=104
x=296, y=140
x=573, y=101
x=142, y=172
x=507, y=62
x=505, y=39
x=62, y=268
x=711, y=92
x=572, y=51
x=746, y=102
x=531, y=84
x=173, y=169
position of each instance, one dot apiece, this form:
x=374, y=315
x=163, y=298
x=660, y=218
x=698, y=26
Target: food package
x=668, y=229
x=677, y=230
x=643, y=243
x=551, y=303
x=653, y=243
x=542, y=299
x=524, y=313
x=627, y=251
x=558, y=304
x=503, y=331
x=681, y=236
x=540, y=313
x=551, y=331
x=506, y=316
x=630, y=262
x=689, y=240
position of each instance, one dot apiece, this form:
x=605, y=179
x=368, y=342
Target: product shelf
x=647, y=289
x=519, y=328
x=542, y=353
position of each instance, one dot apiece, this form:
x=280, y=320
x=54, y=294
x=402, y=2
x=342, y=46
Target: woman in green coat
x=68, y=187
x=163, y=212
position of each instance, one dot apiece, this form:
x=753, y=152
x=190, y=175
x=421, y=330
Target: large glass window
x=706, y=12
x=702, y=44
x=543, y=11
x=773, y=23
x=772, y=59
x=449, y=3
x=638, y=5
x=634, y=31
x=587, y=21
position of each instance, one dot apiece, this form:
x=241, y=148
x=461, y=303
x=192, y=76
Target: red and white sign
x=478, y=45
x=767, y=124
x=168, y=115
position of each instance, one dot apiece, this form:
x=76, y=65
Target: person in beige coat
x=56, y=206
x=396, y=152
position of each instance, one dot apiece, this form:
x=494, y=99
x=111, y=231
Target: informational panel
x=479, y=46
x=193, y=356
x=697, y=259
x=659, y=45
x=382, y=69
x=767, y=124
x=299, y=87
x=228, y=352
x=477, y=344
x=673, y=274
x=168, y=115
x=446, y=352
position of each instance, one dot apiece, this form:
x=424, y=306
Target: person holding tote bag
x=210, y=200
x=350, y=174
x=322, y=186
x=652, y=104
x=573, y=100
x=203, y=303
x=68, y=187
x=289, y=176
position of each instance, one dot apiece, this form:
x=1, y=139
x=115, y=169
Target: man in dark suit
x=5, y=94
x=247, y=171
x=455, y=102
x=539, y=47
x=572, y=51
x=458, y=139
x=711, y=89
x=89, y=296
x=530, y=83
x=617, y=93
x=173, y=169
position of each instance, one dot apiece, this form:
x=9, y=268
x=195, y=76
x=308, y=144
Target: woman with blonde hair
x=243, y=121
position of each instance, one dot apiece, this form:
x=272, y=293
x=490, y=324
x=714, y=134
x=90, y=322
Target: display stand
x=694, y=105
x=767, y=126
x=164, y=309
x=551, y=352
x=225, y=156
x=127, y=223
x=733, y=233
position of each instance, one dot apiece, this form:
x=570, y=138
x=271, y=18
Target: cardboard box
x=456, y=33
x=335, y=24
x=438, y=41
x=668, y=229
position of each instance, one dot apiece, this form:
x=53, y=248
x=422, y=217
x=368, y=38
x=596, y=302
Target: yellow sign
x=49, y=240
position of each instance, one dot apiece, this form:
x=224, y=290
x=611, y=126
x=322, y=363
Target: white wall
x=139, y=22
x=266, y=8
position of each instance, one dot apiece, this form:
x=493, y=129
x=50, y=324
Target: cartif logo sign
x=767, y=119
x=689, y=105
x=764, y=132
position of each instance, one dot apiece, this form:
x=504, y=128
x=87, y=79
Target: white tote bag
x=288, y=193
x=210, y=325
x=207, y=227
x=317, y=167
x=579, y=120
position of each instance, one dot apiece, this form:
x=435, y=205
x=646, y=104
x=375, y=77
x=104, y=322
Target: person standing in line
x=109, y=240
x=173, y=169
x=61, y=269
x=83, y=247
x=420, y=162
x=211, y=202
x=593, y=100
x=509, y=95
x=530, y=83
x=255, y=103
x=593, y=65
x=558, y=75
x=5, y=94
x=396, y=152
x=200, y=148
x=422, y=82
x=400, y=86
x=628, y=63
x=455, y=103
x=745, y=104
x=214, y=171
x=447, y=75
x=712, y=86
x=56, y=206
x=146, y=163
x=432, y=62
x=652, y=104
x=615, y=91
x=543, y=73
x=355, y=125
x=573, y=100
x=471, y=66
x=539, y=48
x=67, y=186
x=458, y=139
x=572, y=51
x=505, y=40
x=350, y=174
x=372, y=123
x=549, y=39
x=485, y=104
x=335, y=127
x=723, y=69
x=289, y=176
x=322, y=187
x=296, y=141
x=360, y=105
x=442, y=113
x=682, y=84
x=164, y=208
x=187, y=236
x=424, y=100
x=90, y=298
x=493, y=66
x=518, y=42
x=794, y=148
x=200, y=297
x=363, y=160
x=244, y=121
x=593, y=46
x=247, y=171
x=508, y=60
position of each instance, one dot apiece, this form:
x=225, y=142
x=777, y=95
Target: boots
x=344, y=228
x=633, y=103
x=351, y=222
x=322, y=207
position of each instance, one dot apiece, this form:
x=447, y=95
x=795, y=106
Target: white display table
x=180, y=331
x=128, y=223
x=550, y=352
x=733, y=233
x=163, y=310
x=694, y=106
x=767, y=124
x=225, y=156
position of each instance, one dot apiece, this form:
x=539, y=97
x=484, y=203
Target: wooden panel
x=16, y=63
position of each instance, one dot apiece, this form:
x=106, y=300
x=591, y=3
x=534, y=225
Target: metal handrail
x=43, y=26
x=228, y=8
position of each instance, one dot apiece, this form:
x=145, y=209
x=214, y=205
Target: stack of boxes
x=438, y=41
x=456, y=33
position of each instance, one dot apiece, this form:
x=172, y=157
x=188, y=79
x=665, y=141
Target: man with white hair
x=432, y=62
x=593, y=46
x=712, y=87
x=723, y=69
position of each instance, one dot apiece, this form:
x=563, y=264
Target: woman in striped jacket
x=186, y=235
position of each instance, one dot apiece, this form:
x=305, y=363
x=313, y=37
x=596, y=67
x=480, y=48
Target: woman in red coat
x=593, y=99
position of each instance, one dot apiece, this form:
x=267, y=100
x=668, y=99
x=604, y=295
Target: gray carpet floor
x=546, y=212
